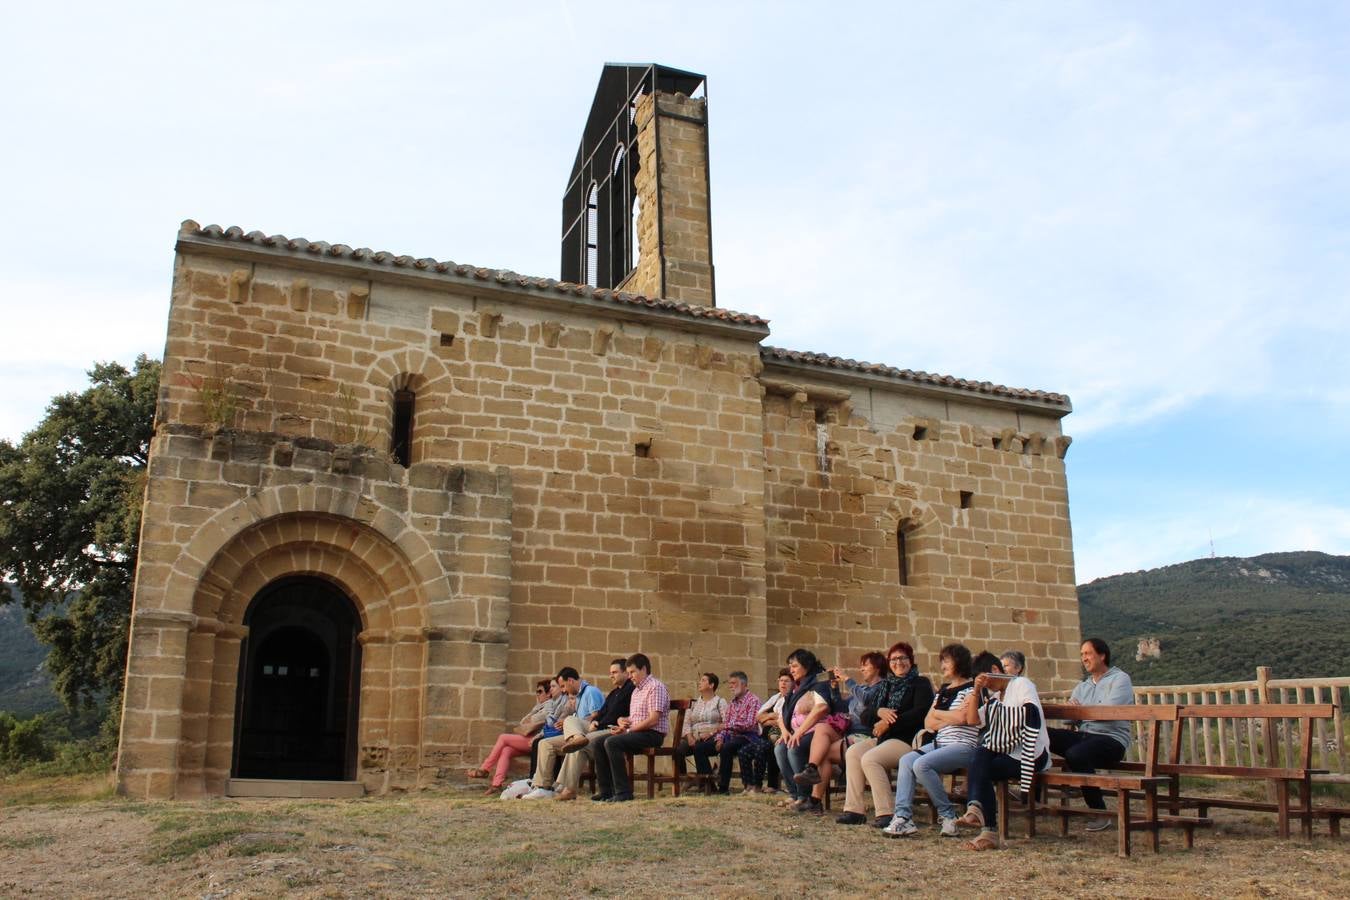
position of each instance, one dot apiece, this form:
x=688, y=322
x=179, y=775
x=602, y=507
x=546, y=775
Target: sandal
x=987, y=840
x=974, y=818
x=493, y=790
x=478, y=773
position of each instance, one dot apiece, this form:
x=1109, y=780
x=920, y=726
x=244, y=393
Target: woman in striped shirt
x=1014, y=743
x=951, y=749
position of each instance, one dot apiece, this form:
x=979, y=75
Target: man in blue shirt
x=1096, y=744
x=588, y=702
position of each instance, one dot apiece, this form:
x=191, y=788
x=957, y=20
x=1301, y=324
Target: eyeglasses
x=896, y=659
x=540, y=691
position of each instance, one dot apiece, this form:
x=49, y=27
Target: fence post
x=1267, y=725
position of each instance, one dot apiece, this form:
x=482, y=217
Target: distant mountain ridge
x=25, y=686
x=1217, y=619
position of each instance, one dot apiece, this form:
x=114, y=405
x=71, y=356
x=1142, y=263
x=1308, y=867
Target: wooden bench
x=1281, y=778
x=1144, y=780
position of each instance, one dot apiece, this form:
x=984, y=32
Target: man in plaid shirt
x=645, y=726
x=739, y=730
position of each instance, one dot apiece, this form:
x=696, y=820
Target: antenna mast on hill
x=1211, y=543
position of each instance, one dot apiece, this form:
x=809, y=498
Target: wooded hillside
x=1218, y=619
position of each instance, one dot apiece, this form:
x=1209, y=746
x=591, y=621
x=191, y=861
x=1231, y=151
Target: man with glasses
x=901, y=704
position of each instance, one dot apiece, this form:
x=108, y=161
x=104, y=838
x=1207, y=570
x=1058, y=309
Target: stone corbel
x=237, y=290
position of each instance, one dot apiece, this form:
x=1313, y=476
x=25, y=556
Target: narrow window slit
x=400, y=445
x=903, y=553
x=966, y=498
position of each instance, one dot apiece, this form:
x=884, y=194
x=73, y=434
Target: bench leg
x=1305, y=806
x=1188, y=838
x=1123, y=823
x=1063, y=819
x=1033, y=806
x=1151, y=810
x=1003, y=810
x=1334, y=823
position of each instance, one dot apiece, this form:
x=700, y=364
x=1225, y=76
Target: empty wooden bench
x=1295, y=773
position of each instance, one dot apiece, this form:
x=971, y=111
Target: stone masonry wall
x=983, y=504
x=586, y=480
x=634, y=449
x=674, y=221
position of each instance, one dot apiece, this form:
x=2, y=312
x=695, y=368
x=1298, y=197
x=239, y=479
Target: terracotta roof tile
x=499, y=276
x=770, y=354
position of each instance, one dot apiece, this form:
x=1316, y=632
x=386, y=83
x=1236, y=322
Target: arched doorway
x=296, y=708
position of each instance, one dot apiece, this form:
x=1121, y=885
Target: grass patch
x=27, y=842
x=609, y=845
x=27, y=789
x=179, y=834
x=255, y=844
x=184, y=845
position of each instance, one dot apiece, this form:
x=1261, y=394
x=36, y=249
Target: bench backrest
x=1077, y=712
x=677, y=708
x=1152, y=713
x=1268, y=713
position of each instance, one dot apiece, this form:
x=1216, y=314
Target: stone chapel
x=387, y=494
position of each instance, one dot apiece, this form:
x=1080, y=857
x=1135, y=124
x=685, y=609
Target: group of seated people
x=887, y=729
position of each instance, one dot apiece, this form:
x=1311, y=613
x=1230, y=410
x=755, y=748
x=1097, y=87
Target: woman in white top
x=701, y=724
x=1014, y=744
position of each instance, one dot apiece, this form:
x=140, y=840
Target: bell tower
x=636, y=212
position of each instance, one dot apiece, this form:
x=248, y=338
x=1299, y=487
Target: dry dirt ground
x=72, y=838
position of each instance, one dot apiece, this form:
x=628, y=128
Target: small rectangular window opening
x=903, y=554
x=642, y=450
x=447, y=340
x=920, y=432
x=998, y=443
x=966, y=498
x=400, y=444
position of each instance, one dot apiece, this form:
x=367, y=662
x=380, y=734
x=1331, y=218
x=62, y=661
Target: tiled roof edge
x=985, y=388
x=502, y=277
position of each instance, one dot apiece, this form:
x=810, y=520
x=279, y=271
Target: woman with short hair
x=1014, y=662
x=701, y=724
x=951, y=748
x=758, y=759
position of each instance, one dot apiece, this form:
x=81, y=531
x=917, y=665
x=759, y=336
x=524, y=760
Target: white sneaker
x=539, y=793
x=517, y=789
x=899, y=827
x=949, y=827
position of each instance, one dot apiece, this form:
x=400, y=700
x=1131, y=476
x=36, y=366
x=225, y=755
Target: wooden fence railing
x=1228, y=741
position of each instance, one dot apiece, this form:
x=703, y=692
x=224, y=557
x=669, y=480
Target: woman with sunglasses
x=516, y=740
x=894, y=717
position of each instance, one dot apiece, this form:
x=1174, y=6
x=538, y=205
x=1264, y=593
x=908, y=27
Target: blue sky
x=1143, y=205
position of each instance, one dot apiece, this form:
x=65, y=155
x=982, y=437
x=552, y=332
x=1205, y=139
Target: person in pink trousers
x=516, y=741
